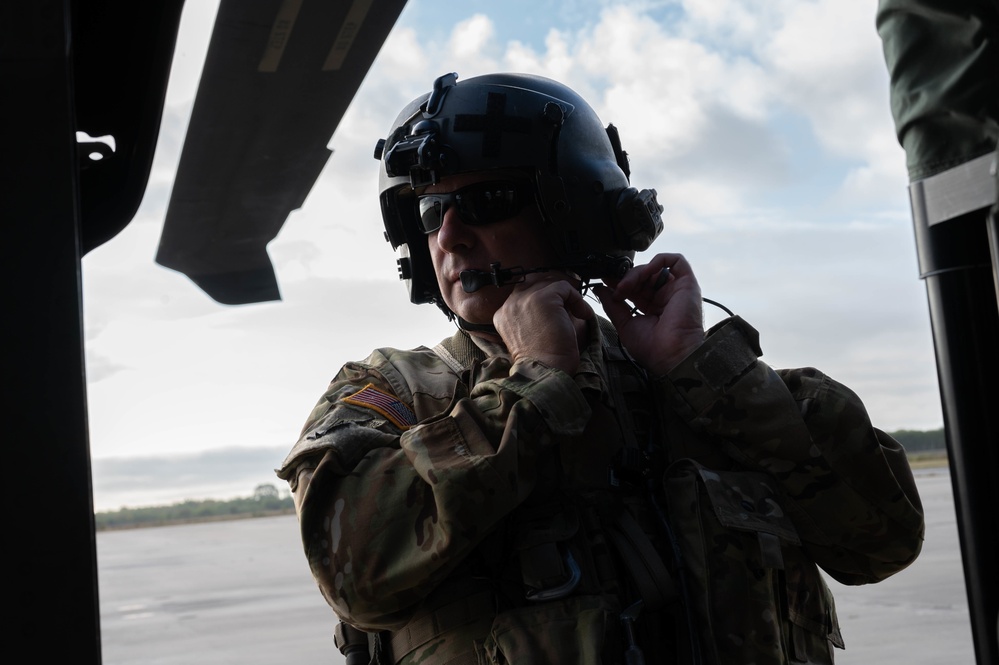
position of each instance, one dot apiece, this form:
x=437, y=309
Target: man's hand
x=545, y=318
x=666, y=323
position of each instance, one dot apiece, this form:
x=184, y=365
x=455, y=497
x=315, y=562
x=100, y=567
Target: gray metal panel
x=278, y=78
x=959, y=190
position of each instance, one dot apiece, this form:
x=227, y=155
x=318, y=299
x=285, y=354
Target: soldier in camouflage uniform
x=550, y=486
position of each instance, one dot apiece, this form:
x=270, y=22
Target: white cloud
x=471, y=37
x=700, y=199
x=399, y=62
x=556, y=61
x=731, y=24
x=828, y=65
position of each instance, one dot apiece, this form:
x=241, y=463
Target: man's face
x=457, y=246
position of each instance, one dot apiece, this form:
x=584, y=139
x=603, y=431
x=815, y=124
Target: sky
x=764, y=125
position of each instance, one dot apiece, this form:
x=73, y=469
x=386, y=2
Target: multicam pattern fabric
x=765, y=474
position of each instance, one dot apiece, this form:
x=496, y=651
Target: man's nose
x=454, y=233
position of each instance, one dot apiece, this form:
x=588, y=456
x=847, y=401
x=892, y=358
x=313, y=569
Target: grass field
x=928, y=459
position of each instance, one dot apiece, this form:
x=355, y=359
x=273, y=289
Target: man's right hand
x=545, y=318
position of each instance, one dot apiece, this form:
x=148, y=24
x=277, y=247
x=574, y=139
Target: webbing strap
x=423, y=629
x=615, y=381
x=642, y=562
x=645, y=566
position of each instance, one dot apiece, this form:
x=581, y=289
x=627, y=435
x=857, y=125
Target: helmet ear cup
x=638, y=218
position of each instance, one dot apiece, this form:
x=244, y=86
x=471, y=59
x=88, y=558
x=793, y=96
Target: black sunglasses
x=477, y=204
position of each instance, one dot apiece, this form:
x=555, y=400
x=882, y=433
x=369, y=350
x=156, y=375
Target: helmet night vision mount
x=535, y=127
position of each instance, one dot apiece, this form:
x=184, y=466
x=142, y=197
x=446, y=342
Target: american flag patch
x=388, y=405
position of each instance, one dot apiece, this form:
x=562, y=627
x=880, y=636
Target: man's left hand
x=666, y=323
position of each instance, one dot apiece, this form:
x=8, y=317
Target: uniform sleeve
x=848, y=486
x=388, y=511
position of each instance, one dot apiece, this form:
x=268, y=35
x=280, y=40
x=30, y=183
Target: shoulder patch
x=384, y=403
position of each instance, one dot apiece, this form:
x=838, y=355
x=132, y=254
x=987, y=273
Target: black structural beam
x=942, y=58
x=957, y=268
x=99, y=67
x=50, y=555
x=73, y=69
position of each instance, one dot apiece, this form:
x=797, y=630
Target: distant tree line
x=919, y=441
x=266, y=500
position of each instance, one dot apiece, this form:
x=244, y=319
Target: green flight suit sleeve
x=848, y=486
x=387, y=512
x=942, y=57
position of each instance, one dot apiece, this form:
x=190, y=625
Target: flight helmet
x=526, y=124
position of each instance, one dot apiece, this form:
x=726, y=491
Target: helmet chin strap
x=468, y=326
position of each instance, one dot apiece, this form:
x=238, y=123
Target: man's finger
x=618, y=311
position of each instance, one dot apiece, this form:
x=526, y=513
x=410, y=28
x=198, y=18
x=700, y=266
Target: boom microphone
x=473, y=280
x=610, y=266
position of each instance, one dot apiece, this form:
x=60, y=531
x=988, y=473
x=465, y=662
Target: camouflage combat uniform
x=470, y=510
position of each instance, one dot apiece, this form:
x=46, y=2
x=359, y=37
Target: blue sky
x=764, y=125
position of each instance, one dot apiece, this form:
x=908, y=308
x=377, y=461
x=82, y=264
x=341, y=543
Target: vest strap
x=422, y=630
x=644, y=565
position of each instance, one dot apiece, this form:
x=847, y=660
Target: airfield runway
x=240, y=593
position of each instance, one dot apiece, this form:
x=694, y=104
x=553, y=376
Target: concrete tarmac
x=240, y=593
x=920, y=615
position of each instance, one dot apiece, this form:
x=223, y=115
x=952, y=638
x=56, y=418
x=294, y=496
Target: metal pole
x=957, y=266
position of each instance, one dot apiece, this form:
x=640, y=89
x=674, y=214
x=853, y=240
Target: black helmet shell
x=533, y=125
